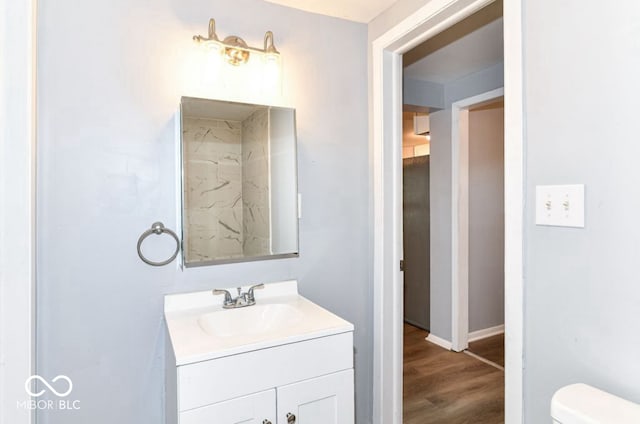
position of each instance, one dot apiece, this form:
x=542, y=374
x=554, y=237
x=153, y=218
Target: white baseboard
x=487, y=332
x=438, y=341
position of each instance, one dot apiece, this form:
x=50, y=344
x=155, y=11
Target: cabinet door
x=323, y=400
x=258, y=408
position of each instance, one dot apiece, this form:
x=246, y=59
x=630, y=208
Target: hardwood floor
x=444, y=387
x=491, y=348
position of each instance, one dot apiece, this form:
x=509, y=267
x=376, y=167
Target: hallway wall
x=486, y=217
x=441, y=189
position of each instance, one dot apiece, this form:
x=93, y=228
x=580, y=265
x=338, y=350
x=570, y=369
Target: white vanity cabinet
x=321, y=400
x=310, y=382
x=303, y=375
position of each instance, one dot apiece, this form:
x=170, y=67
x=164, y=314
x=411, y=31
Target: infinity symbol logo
x=27, y=385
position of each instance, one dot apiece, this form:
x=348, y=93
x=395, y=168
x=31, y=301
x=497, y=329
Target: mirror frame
x=183, y=186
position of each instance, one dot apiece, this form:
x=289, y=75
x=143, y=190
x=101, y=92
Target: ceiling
x=353, y=10
x=473, y=52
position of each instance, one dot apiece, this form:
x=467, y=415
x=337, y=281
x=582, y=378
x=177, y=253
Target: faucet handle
x=227, y=295
x=251, y=295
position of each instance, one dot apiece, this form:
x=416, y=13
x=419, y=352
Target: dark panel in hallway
x=416, y=236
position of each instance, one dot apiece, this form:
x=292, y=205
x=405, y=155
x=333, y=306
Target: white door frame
x=17, y=211
x=387, y=52
x=460, y=216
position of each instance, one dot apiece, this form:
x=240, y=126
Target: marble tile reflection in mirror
x=239, y=182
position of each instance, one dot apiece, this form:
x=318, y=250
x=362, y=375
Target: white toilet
x=583, y=404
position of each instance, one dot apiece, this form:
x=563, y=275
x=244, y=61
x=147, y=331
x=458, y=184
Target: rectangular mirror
x=239, y=182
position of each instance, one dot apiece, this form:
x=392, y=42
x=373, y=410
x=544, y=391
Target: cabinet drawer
x=253, y=409
x=225, y=378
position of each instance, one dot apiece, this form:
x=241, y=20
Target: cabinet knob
x=266, y=422
x=291, y=419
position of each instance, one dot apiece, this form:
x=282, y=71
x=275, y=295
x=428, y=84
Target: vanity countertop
x=201, y=329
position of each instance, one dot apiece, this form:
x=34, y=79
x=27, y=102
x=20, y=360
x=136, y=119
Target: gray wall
x=422, y=93
x=486, y=217
x=110, y=79
x=440, y=189
x=440, y=222
x=582, y=295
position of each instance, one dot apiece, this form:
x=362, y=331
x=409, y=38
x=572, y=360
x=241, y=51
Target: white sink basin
x=200, y=329
x=250, y=320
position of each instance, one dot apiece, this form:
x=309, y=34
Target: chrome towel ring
x=158, y=228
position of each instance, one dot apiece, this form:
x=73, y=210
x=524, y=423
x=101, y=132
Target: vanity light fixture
x=234, y=49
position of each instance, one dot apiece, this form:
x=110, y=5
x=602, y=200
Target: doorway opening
x=478, y=219
x=480, y=283
x=387, y=51
x=453, y=222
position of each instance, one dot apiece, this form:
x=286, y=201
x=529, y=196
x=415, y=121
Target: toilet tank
x=583, y=404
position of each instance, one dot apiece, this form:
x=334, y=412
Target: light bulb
x=271, y=71
x=212, y=62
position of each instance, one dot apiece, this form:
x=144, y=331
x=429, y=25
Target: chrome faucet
x=243, y=299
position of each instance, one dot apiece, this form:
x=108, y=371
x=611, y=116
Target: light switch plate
x=560, y=205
